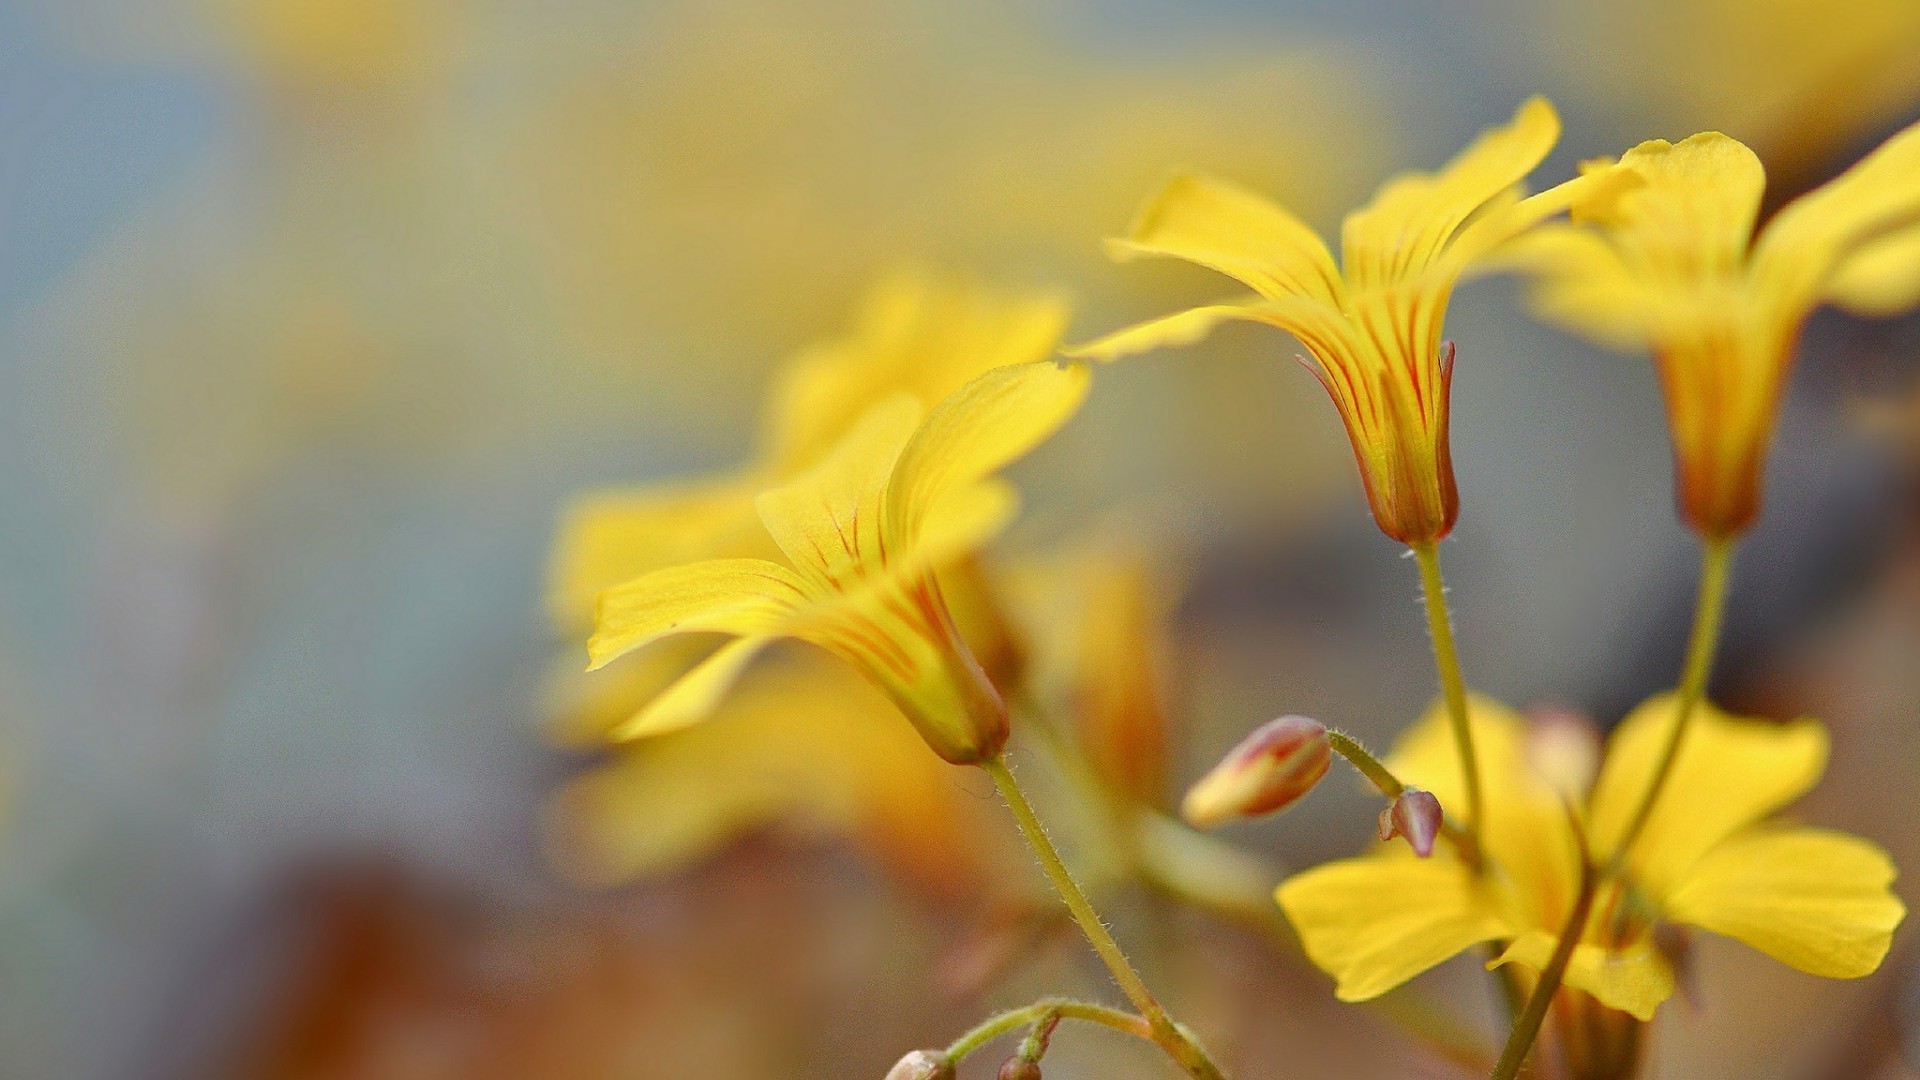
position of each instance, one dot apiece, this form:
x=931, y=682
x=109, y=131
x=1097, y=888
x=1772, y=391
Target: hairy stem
x=1452, y=687
x=1014, y=1019
x=1171, y=1037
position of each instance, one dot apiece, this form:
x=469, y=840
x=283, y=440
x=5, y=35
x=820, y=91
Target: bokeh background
x=315, y=313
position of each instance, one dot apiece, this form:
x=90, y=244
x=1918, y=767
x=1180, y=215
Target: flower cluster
x=860, y=530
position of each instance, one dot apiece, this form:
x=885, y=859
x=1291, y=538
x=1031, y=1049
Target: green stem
x=1014, y=1019
x=1716, y=562
x=1452, y=687
x=1171, y=1037
x=1527, y=1027
x=1370, y=767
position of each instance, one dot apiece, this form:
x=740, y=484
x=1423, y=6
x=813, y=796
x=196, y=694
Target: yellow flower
x=903, y=493
x=1666, y=259
x=1373, y=325
x=914, y=333
x=1816, y=899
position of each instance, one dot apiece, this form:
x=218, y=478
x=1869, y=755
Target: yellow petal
x=1634, y=978
x=828, y=520
x=1731, y=772
x=1693, y=215
x=976, y=431
x=1811, y=237
x=1227, y=228
x=1814, y=899
x=1169, y=331
x=1507, y=218
x=609, y=537
x=916, y=333
x=1526, y=834
x=1411, y=219
x=691, y=698
x=1578, y=280
x=1375, y=922
x=725, y=596
x=1880, y=278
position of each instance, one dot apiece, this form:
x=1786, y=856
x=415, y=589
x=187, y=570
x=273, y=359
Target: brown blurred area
x=314, y=313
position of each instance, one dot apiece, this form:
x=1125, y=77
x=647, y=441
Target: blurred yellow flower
x=804, y=746
x=915, y=333
x=1094, y=619
x=1666, y=259
x=901, y=494
x=1374, y=324
x=1816, y=899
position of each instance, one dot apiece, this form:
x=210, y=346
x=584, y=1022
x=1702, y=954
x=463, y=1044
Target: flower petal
x=1692, y=215
x=691, y=698
x=1408, y=223
x=1814, y=899
x=1243, y=235
x=1634, y=979
x=1731, y=772
x=726, y=596
x=1181, y=328
x=1526, y=833
x=977, y=430
x=1579, y=280
x=1375, y=922
x=917, y=333
x=1881, y=277
x=613, y=536
x=1812, y=237
x=829, y=519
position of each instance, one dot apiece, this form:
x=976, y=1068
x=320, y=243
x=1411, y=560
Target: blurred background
x=314, y=314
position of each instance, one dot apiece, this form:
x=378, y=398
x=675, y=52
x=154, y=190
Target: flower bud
x=1416, y=815
x=922, y=1065
x=1018, y=1068
x=1281, y=761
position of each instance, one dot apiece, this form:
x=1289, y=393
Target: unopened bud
x=1019, y=1068
x=1282, y=760
x=922, y=1065
x=1416, y=815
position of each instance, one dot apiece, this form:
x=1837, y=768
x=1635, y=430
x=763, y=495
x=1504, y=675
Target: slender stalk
x=1452, y=687
x=1013, y=1019
x=1382, y=779
x=1171, y=1037
x=1716, y=563
x=1527, y=1028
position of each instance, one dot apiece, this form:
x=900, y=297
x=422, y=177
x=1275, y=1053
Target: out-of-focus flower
x=1666, y=259
x=1094, y=620
x=1269, y=770
x=803, y=746
x=1374, y=324
x=1816, y=899
x=903, y=493
x=915, y=334
x=327, y=46
x=1798, y=80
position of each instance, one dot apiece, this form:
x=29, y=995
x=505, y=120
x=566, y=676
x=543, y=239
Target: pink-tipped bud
x=922, y=1065
x=1018, y=1068
x=1415, y=815
x=1282, y=760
